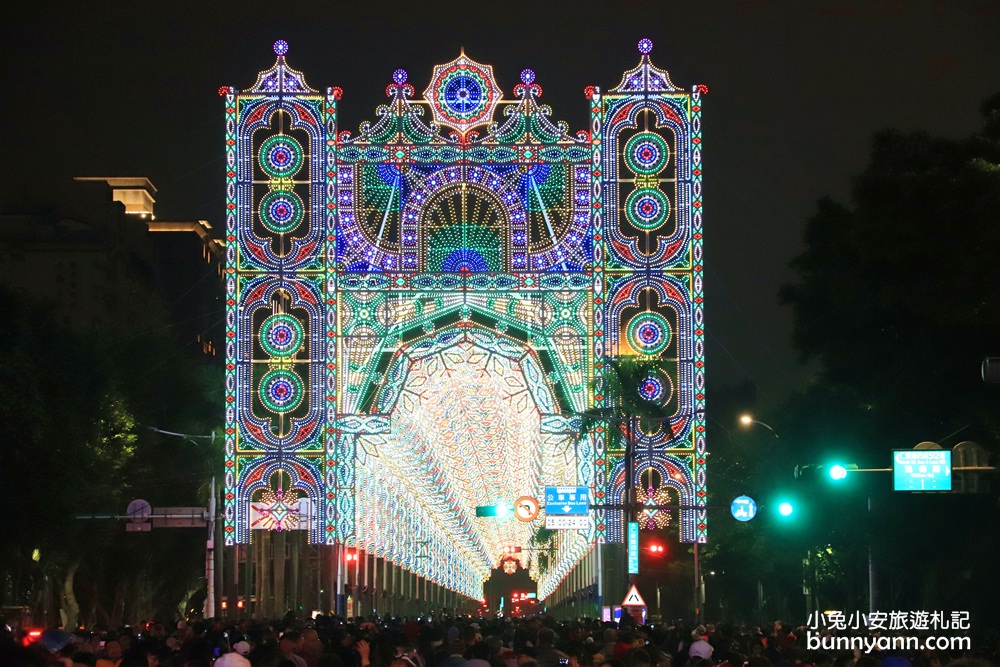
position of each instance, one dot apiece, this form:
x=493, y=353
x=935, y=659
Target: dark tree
x=75, y=411
x=897, y=301
x=896, y=295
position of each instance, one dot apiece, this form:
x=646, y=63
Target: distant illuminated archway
x=417, y=314
x=470, y=422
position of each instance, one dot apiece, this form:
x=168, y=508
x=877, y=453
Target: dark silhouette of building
x=101, y=261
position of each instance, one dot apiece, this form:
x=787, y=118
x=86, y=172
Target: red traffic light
x=657, y=549
x=512, y=550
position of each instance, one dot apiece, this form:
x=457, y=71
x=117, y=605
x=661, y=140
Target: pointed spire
x=280, y=78
x=645, y=77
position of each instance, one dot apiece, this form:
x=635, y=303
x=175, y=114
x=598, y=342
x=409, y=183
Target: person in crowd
x=700, y=648
x=111, y=654
x=547, y=655
x=290, y=645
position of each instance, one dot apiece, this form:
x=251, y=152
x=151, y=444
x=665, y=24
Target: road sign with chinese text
x=633, y=547
x=921, y=470
x=564, y=500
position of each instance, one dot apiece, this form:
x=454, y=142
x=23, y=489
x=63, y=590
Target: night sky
x=796, y=90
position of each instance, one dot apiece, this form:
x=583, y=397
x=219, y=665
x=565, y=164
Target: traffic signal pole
x=629, y=498
x=629, y=508
x=812, y=469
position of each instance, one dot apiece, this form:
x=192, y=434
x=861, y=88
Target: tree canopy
x=896, y=293
x=76, y=411
x=895, y=300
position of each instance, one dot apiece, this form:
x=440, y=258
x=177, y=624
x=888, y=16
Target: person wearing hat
x=700, y=648
x=232, y=659
x=456, y=654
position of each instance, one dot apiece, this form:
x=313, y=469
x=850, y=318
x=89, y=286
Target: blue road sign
x=562, y=500
x=633, y=547
x=921, y=470
x=743, y=508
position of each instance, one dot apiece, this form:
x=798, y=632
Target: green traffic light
x=497, y=511
x=837, y=472
x=785, y=509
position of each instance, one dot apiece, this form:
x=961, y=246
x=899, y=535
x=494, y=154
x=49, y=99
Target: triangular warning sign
x=633, y=599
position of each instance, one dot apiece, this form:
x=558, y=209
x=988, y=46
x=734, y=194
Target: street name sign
x=567, y=500
x=921, y=470
x=633, y=547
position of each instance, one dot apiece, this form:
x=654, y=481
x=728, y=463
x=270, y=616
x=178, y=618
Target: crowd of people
x=441, y=641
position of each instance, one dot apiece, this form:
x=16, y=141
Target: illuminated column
x=277, y=221
x=651, y=206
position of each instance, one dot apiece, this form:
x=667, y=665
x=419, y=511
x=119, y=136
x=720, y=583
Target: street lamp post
x=747, y=420
x=785, y=509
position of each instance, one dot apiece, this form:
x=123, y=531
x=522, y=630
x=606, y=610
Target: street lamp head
x=747, y=420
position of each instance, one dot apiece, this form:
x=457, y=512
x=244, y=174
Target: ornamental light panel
x=419, y=311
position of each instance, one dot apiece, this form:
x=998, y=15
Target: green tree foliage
x=76, y=412
x=49, y=390
x=620, y=387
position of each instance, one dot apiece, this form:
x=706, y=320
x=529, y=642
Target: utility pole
x=210, y=608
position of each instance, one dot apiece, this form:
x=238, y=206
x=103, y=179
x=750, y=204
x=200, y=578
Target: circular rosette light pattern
x=280, y=156
x=281, y=390
x=464, y=260
x=281, y=211
x=647, y=153
x=281, y=335
x=649, y=333
x=647, y=208
x=656, y=388
x=463, y=94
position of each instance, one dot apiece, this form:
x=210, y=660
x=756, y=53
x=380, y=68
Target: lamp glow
x=838, y=472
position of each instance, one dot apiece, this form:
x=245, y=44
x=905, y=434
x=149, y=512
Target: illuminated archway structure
x=416, y=313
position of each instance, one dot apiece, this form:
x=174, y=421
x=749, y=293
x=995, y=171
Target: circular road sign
x=526, y=508
x=743, y=508
x=138, y=510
